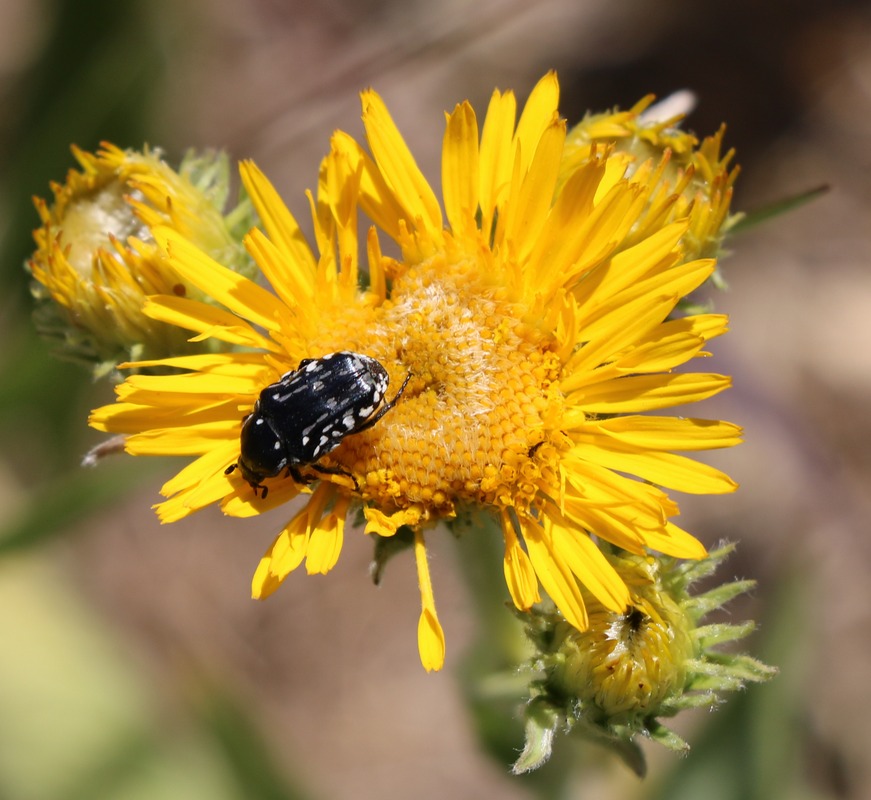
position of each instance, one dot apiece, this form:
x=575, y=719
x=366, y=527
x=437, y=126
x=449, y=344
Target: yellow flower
x=625, y=665
x=618, y=680
x=534, y=322
x=695, y=180
x=96, y=260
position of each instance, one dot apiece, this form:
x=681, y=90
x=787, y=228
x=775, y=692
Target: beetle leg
x=333, y=471
x=385, y=408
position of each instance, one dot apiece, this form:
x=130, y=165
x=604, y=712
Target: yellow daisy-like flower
x=696, y=180
x=96, y=260
x=534, y=323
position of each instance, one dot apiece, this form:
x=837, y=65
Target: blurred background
x=133, y=663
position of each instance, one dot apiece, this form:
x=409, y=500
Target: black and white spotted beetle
x=308, y=412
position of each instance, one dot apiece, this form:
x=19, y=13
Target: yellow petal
x=663, y=469
x=327, y=536
x=430, y=641
x=670, y=433
x=248, y=503
x=618, y=330
x=592, y=483
x=202, y=384
x=215, y=460
x=208, y=490
x=131, y=418
x=377, y=274
x=539, y=112
x=674, y=541
x=398, y=165
x=325, y=546
x=291, y=546
x=496, y=155
x=527, y=211
x=376, y=198
x=636, y=393
x=589, y=565
x=673, y=343
x=387, y=524
x=294, y=285
x=342, y=181
x=247, y=365
x=191, y=440
x=621, y=510
x=555, y=576
x=619, y=526
x=634, y=264
x=602, y=230
x=207, y=320
x=563, y=239
x=263, y=583
x=430, y=636
x=519, y=573
x=460, y=169
x=603, y=320
x=283, y=230
x=284, y=555
x=236, y=292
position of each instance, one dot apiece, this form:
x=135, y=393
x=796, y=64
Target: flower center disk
x=477, y=401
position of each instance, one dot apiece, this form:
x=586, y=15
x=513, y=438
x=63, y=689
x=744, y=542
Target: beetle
x=634, y=619
x=308, y=412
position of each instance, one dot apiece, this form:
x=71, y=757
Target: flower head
x=696, y=183
x=96, y=260
x=616, y=680
x=534, y=316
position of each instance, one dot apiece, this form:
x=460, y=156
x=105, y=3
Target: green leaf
x=776, y=209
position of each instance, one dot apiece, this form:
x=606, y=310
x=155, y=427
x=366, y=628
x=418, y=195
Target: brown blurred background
x=132, y=661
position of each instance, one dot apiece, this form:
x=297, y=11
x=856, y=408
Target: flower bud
x=615, y=680
x=96, y=260
x=694, y=179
